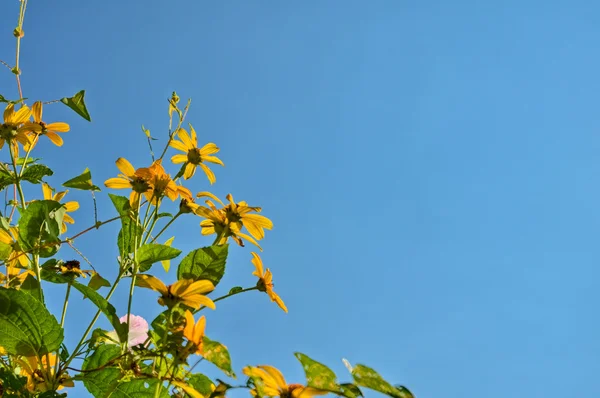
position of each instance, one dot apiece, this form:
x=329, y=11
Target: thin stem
x=172, y=133
x=133, y=275
x=18, y=51
x=27, y=155
x=62, y=321
x=166, y=226
x=5, y=64
x=229, y=295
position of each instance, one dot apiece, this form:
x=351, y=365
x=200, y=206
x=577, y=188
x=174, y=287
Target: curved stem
x=229, y=295
x=166, y=226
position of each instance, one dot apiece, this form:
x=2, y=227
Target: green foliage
x=96, y=282
x=218, y=354
x=5, y=250
x=77, y=103
x=154, y=252
x=7, y=178
x=204, y=263
x=129, y=228
x=83, y=181
x=368, y=377
x=138, y=389
x=12, y=383
x=99, y=378
x=40, y=226
x=235, y=290
x=26, y=326
x=35, y=173
x=201, y=383
x=317, y=374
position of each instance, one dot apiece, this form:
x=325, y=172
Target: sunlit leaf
x=154, y=252
x=96, y=282
x=77, y=103
x=205, y=263
x=101, y=382
x=218, y=354
x=35, y=173
x=82, y=181
x=40, y=227
x=368, y=377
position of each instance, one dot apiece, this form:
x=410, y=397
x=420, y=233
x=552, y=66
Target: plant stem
x=166, y=226
x=229, y=295
x=62, y=324
x=134, y=273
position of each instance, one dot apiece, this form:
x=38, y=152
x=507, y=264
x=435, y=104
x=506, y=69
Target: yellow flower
x=194, y=332
x=161, y=184
x=194, y=156
x=272, y=384
x=185, y=291
x=10, y=130
x=69, y=206
x=17, y=258
x=228, y=221
x=265, y=281
x=38, y=127
x=129, y=179
x=40, y=375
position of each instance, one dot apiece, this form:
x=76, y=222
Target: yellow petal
x=185, y=387
x=71, y=206
x=125, y=167
x=256, y=260
x=55, y=138
x=22, y=115
x=185, y=138
x=200, y=287
x=58, y=127
x=68, y=219
x=46, y=191
x=209, y=149
x=151, y=282
x=249, y=239
x=117, y=183
x=8, y=112
x=177, y=159
x=36, y=110
x=178, y=145
x=197, y=300
x=206, y=194
x=211, y=176
x=276, y=375
x=212, y=159
x=190, y=169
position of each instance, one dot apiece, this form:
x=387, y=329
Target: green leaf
x=21, y=161
x=83, y=181
x=368, y=377
x=235, y=289
x=202, y=384
x=35, y=173
x=5, y=250
x=12, y=383
x=129, y=228
x=96, y=282
x=205, y=263
x=138, y=389
x=40, y=227
x=26, y=326
x=31, y=286
x=77, y=103
x=3, y=99
x=317, y=374
x=167, y=263
x=153, y=252
x=7, y=178
x=102, y=382
x=350, y=390
x=218, y=354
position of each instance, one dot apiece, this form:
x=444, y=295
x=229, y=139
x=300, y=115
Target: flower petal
x=55, y=138
x=36, y=110
x=117, y=183
x=58, y=127
x=151, y=282
x=211, y=176
x=212, y=159
x=209, y=149
x=177, y=159
x=125, y=167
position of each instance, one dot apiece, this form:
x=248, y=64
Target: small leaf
x=102, y=382
x=129, y=228
x=40, y=226
x=153, y=252
x=21, y=161
x=167, y=263
x=317, y=374
x=31, y=286
x=35, y=173
x=5, y=250
x=235, y=289
x=26, y=326
x=202, y=384
x=77, y=103
x=218, y=354
x=82, y=181
x=96, y=282
x=205, y=263
x=6, y=178
x=368, y=377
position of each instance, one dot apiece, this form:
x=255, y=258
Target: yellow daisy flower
x=194, y=332
x=40, y=375
x=194, y=156
x=11, y=129
x=38, y=127
x=71, y=206
x=161, y=184
x=17, y=259
x=265, y=281
x=271, y=382
x=185, y=291
x=228, y=222
x=129, y=179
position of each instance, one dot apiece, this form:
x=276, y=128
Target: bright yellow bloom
x=194, y=156
x=38, y=127
x=271, y=382
x=265, y=281
x=40, y=375
x=17, y=259
x=129, y=179
x=185, y=291
x=161, y=184
x=194, y=332
x=11, y=130
x=69, y=206
x=228, y=221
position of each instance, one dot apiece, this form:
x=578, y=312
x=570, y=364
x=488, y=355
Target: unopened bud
x=18, y=32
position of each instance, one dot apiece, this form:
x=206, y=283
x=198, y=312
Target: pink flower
x=138, y=330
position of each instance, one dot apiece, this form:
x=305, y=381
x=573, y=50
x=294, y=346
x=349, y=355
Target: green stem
x=166, y=226
x=229, y=295
x=62, y=322
x=27, y=156
x=133, y=274
x=221, y=235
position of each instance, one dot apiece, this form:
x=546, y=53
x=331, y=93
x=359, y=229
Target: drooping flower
x=194, y=156
x=228, y=222
x=69, y=206
x=129, y=180
x=40, y=374
x=138, y=331
x=184, y=291
x=38, y=127
x=265, y=281
x=72, y=267
x=11, y=130
x=161, y=184
x=194, y=332
x=270, y=382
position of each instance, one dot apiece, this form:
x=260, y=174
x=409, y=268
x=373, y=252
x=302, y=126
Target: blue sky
x=431, y=169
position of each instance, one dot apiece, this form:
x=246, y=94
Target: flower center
x=194, y=156
x=139, y=185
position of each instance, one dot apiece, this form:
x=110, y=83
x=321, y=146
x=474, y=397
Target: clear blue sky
x=432, y=169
